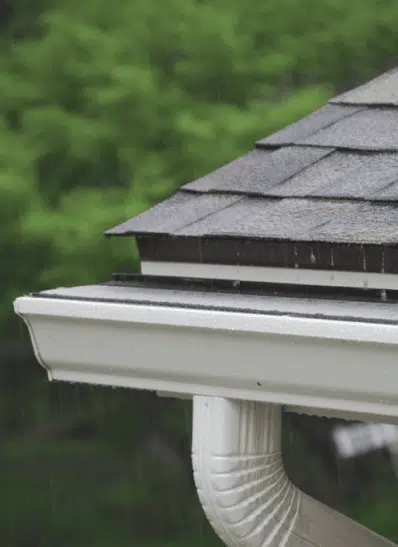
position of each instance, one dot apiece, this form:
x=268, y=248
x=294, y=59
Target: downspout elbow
x=244, y=489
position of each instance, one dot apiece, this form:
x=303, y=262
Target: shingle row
x=287, y=219
x=332, y=176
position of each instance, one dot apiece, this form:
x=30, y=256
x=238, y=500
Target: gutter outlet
x=244, y=489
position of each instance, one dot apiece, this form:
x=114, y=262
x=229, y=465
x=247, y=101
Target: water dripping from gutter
x=296, y=265
x=200, y=249
x=332, y=257
x=383, y=293
x=364, y=261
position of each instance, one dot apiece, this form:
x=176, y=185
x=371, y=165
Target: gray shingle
x=247, y=169
x=388, y=193
x=380, y=91
x=170, y=215
x=259, y=171
x=369, y=129
x=339, y=174
x=330, y=180
x=308, y=126
x=269, y=219
x=324, y=173
x=371, y=223
x=343, y=175
x=362, y=181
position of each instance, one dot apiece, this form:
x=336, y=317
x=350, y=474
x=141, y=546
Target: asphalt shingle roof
x=329, y=178
x=380, y=91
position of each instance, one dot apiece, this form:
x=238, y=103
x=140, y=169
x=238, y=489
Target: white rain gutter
x=240, y=364
x=342, y=362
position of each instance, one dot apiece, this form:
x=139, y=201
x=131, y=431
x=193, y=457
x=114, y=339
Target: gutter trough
x=240, y=357
x=325, y=357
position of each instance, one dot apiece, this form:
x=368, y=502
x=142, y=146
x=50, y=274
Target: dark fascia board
x=263, y=253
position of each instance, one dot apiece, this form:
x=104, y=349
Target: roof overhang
x=327, y=356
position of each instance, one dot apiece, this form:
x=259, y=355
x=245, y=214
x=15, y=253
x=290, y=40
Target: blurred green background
x=107, y=108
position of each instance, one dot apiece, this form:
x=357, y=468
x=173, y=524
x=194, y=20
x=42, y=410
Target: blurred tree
x=108, y=110
x=105, y=109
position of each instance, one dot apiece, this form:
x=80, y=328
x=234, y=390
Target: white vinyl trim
x=212, y=320
x=307, y=362
x=280, y=276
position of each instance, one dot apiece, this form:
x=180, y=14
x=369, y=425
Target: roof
x=322, y=192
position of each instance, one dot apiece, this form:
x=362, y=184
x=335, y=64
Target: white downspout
x=243, y=487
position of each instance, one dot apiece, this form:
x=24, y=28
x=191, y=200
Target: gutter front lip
x=347, y=316
x=345, y=329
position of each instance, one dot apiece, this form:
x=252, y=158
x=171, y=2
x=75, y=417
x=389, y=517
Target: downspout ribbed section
x=243, y=487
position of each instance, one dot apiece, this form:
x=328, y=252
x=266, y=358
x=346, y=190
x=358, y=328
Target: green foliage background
x=105, y=109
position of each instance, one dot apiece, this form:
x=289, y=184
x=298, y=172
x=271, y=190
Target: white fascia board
x=280, y=276
x=322, y=364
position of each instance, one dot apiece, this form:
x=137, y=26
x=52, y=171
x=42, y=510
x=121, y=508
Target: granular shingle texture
x=330, y=179
x=380, y=91
x=306, y=127
x=373, y=129
x=170, y=216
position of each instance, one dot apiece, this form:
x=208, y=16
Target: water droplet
x=364, y=262
x=295, y=253
x=383, y=295
x=332, y=257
